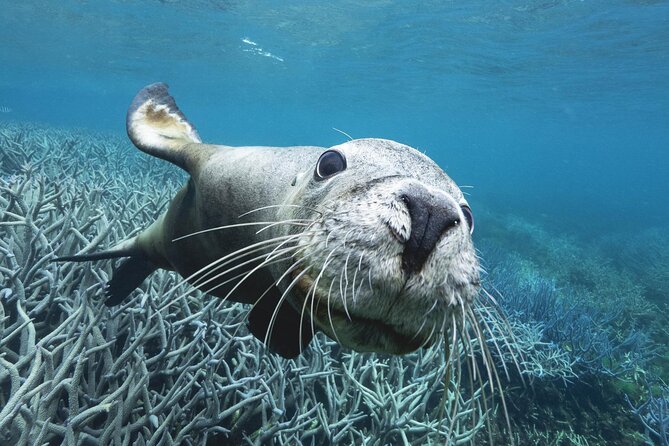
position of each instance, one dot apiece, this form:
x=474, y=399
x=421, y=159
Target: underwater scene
x=229, y=222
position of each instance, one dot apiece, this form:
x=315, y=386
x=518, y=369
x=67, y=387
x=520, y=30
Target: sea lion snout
x=432, y=215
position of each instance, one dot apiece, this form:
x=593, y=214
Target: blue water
x=557, y=109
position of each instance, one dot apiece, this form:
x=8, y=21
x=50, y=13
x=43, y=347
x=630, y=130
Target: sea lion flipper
x=156, y=125
x=285, y=336
x=130, y=273
x=126, y=248
x=127, y=277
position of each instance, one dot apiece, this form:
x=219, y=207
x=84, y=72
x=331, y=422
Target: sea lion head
x=386, y=262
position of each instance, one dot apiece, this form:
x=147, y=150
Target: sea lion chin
x=368, y=241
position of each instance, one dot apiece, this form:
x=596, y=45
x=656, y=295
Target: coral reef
x=568, y=323
x=170, y=366
x=653, y=413
x=592, y=310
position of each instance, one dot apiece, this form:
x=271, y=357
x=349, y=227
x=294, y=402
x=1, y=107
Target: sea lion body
x=368, y=241
x=211, y=198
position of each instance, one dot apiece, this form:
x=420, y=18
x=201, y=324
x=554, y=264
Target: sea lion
x=368, y=241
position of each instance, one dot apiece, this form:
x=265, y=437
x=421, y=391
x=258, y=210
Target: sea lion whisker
x=327, y=238
x=212, y=267
x=270, y=259
x=466, y=341
x=500, y=318
x=230, y=256
x=314, y=287
x=249, y=274
x=272, y=321
x=274, y=206
x=488, y=363
x=493, y=339
x=448, y=365
x=499, y=311
x=261, y=265
x=289, y=270
x=341, y=291
x=474, y=374
x=427, y=340
x=350, y=138
x=345, y=277
x=455, y=351
x=232, y=268
x=243, y=273
x=485, y=351
x=296, y=222
x=424, y=321
x=346, y=237
x=355, y=275
x=362, y=255
x=348, y=257
x=359, y=287
x=491, y=298
x=493, y=375
x=358, y=269
x=329, y=310
x=304, y=306
x=318, y=278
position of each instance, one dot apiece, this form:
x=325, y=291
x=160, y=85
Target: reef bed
x=173, y=366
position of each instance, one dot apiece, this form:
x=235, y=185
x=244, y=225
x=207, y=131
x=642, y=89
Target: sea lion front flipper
x=130, y=273
x=156, y=125
x=285, y=335
x=126, y=277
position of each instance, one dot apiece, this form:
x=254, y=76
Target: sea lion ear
x=156, y=125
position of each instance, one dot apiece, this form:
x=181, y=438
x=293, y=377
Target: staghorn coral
x=585, y=335
x=581, y=366
x=172, y=366
x=644, y=255
x=169, y=366
x=653, y=413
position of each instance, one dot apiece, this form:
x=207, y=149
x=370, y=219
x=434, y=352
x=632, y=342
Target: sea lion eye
x=469, y=216
x=330, y=163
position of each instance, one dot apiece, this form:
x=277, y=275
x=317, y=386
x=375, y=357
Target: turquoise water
x=554, y=114
x=559, y=107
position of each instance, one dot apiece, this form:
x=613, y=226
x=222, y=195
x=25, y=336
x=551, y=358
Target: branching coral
x=169, y=366
x=172, y=366
x=654, y=415
x=570, y=326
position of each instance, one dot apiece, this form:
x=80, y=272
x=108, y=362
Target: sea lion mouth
x=363, y=333
x=372, y=333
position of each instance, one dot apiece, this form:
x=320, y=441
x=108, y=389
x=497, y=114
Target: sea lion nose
x=431, y=216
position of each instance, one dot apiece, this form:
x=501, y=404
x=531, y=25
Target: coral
x=653, y=413
x=579, y=265
x=170, y=366
x=594, y=356
x=643, y=254
x=568, y=321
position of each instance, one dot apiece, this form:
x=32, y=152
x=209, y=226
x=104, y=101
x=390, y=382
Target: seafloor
x=584, y=365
